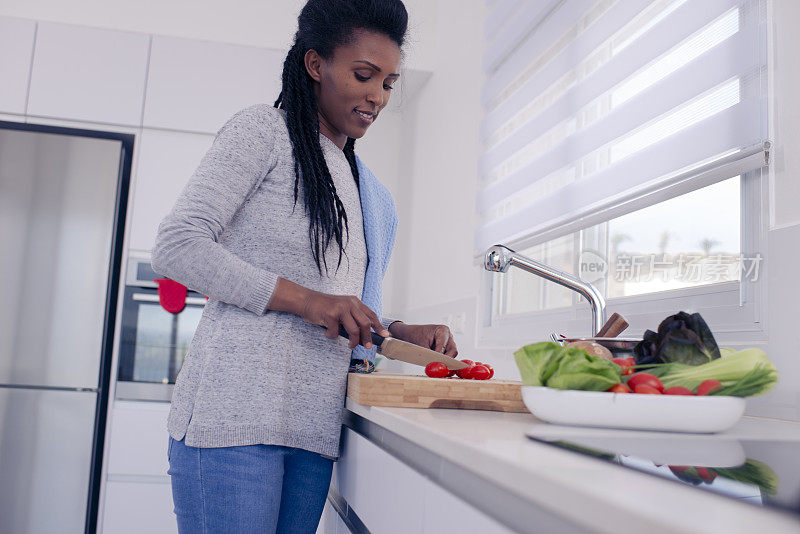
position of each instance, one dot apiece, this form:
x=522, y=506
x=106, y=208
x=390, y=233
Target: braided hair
x=324, y=25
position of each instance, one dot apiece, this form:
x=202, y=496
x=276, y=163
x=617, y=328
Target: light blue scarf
x=380, y=228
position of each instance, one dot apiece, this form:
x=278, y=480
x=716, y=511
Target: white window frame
x=736, y=311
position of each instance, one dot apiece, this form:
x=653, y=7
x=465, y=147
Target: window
x=624, y=141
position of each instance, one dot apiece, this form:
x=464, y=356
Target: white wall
x=433, y=276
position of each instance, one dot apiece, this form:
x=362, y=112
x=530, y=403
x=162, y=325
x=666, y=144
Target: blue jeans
x=253, y=488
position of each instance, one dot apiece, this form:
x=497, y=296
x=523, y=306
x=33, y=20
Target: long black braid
x=322, y=26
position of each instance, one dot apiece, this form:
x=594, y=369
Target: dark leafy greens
x=681, y=338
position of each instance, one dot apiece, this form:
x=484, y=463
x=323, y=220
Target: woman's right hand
x=329, y=311
x=332, y=310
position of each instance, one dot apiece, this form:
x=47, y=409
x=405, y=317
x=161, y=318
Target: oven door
x=153, y=343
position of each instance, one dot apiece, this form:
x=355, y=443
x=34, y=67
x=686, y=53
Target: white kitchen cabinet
x=384, y=492
x=88, y=74
x=138, y=495
x=16, y=54
x=139, y=439
x=446, y=513
x=136, y=507
x=165, y=162
x=391, y=497
x=198, y=85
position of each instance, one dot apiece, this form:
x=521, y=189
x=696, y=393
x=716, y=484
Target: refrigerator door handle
x=144, y=297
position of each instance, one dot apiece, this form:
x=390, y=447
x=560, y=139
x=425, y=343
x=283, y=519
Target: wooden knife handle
x=376, y=339
x=613, y=327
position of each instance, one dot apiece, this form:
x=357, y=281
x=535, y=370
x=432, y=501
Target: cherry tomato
x=480, y=372
x=467, y=371
x=619, y=388
x=491, y=370
x=646, y=389
x=436, y=370
x=639, y=379
x=707, y=386
x=678, y=390
x=626, y=364
x=705, y=474
x=451, y=372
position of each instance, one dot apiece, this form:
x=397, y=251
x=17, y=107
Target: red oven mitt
x=171, y=295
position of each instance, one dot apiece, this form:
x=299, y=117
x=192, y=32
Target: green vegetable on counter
x=752, y=472
x=550, y=364
x=745, y=373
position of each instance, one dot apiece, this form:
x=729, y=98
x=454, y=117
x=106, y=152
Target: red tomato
x=646, y=389
x=467, y=371
x=619, y=388
x=480, y=372
x=705, y=474
x=639, y=379
x=436, y=370
x=678, y=390
x=707, y=386
x=626, y=364
x=491, y=370
x=451, y=372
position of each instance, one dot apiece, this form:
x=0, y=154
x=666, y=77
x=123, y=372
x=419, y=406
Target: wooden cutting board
x=419, y=391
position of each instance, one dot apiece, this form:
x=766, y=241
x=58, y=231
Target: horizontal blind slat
x=498, y=16
x=706, y=72
x=734, y=128
x=531, y=14
x=670, y=31
x=551, y=21
x=600, y=30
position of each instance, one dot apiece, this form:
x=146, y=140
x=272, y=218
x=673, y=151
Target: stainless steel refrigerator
x=63, y=195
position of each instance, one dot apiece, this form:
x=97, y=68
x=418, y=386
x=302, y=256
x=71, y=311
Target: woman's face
x=354, y=85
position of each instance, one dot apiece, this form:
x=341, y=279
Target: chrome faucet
x=499, y=257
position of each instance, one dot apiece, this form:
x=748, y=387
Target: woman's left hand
x=431, y=336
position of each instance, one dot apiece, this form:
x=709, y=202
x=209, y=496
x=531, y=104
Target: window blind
x=592, y=106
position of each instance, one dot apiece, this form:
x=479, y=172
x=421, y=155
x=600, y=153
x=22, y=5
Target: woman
x=256, y=411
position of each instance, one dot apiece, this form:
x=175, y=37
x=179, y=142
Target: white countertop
x=593, y=493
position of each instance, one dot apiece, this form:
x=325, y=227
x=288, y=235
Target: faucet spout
x=499, y=258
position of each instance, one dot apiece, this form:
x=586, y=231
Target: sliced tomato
x=707, y=386
x=619, y=388
x=646, y=389
x=640, y=379
x=678, y=390
x=436, y=370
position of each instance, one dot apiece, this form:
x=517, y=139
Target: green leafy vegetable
x=752, y=472
x=680, y=338
x=744, y=373
x=550, y=364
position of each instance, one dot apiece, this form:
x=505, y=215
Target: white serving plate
x=673, y=413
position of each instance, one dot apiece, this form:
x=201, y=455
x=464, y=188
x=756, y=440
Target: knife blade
x=408, y=352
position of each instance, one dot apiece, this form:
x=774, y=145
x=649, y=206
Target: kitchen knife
x=408, y=352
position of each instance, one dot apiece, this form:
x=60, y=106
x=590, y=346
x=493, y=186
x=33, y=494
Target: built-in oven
x=153, y=341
